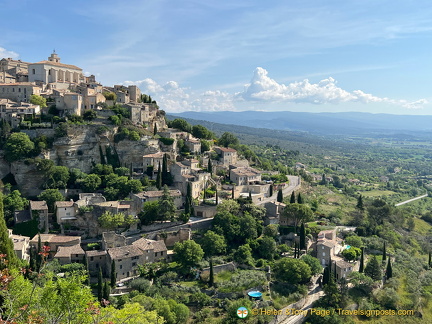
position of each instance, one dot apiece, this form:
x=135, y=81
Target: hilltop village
x=96, y=179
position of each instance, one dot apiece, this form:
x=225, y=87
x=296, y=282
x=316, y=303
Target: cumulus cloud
x=173, y=98
x=263, y=88
x=5, y=53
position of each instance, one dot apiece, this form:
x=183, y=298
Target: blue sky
x=371, y=56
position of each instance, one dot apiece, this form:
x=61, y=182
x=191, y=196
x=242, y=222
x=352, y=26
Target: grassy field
x=377, y=193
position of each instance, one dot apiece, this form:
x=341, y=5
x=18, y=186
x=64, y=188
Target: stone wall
x=170, y=238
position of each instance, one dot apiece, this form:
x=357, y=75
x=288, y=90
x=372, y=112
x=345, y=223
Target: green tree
x=13, y=202
x=188, y=253
x=333, y=297
x=302, y=237
x=6, y=244
x=89, y=115
x=361, y=266
x=384, y=255
x=360, y=203
x=159, y=177
x=38, y=100
x=373, y=269
x=280, y=196
x=352, y=253
x=299, y=199
x=155, y=130
x=106, y=291
x=243, y=255
x=228, y=139
x=354, y=240
x=181, y=124
x=298, y=213
x=313, y=263
x=389, y=270
x=51, y=196
x=18, y=146
x=293, y=198
x=205, y=146
x=166, y=208
x=211, y=279
x=213, y=244
x=91, y=183
x=112, y=221
x=149, y=214
x=271, y=230
x=113, y=274
x=100, y=286
x=200, y=131
x=58, y=177
x=210, y=166
x=271, y=190
x=293, y=271
x=266, y=247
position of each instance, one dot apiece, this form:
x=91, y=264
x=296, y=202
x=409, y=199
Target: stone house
x=227, y=156
x=96, y=260
x=274, y=211
x=19, y=92
x=127, y=258
x=70, y=254
x=15, y=112
x=153, y=160
x=139, y=199
x=54, y=241
x=65, y=211
x=343, y=269
x=194, y=145
x=21, y=245
x=245, y=176
x=156, y=249
x=40, y=209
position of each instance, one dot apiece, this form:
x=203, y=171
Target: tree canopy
x=18, y=146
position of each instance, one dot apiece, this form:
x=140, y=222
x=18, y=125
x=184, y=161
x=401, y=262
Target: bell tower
x=54, y=57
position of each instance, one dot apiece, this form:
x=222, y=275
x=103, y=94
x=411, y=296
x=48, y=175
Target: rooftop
x=127, y=251
x=38, y=205
x=64, y=204
x=145, y=244
x=68, y=66
x=66, y=251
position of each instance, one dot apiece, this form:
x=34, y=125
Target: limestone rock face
x=133, y=151
x=4, y=167
x=28, y=178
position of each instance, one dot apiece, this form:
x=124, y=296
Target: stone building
x=53, y=71
x=227, y=155
x=70, y=254
x=19, y=92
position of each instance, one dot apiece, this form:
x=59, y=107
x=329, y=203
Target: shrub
x=166, y=141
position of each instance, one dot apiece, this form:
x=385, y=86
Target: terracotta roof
x=226, y=149
x=38, y=205
x=53, y=238
x=61, y=204
x=157, y=194
x=69, y=66
x=343, y=265
x=66, y=251
x=155, y=155
x=127, y=251
x=145, y=244
x=244, y=171
x=94, y=253
x=19, y=241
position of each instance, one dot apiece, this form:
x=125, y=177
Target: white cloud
x=173, y=98
x=263, y=88
x=5, y=53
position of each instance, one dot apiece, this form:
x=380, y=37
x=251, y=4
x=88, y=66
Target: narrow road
x=314, y=294
x=294, y=183
x=410, y=200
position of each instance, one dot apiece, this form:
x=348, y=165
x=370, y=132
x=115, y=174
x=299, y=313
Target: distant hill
x=351, y=123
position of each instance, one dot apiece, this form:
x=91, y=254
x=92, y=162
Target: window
x=323, y=254
x=34, y=71
x=133, y=264
x=91, y=258
x=121, y=266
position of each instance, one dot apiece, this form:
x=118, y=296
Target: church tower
x=54, y=57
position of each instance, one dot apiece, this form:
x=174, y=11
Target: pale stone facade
x=52, y=71
x=19, y=92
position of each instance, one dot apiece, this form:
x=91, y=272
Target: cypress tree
x=280, y=196
x=292, y=199
x=360, y=203
x=86, y=268
x=210, y=167
x=389, y=271
x=106, y=291
x=302, y=237
x=165, y=170
x=6, y=244
x=271, y=190
x=211, y=279
x=38, y=255
x=250, y=196
x=384, y=255
x=113, y=274
x=155, y=129
x=99, y=286
x=323, y=181
x=361, y=267
x=299, y=199
x=430, y=260
x=102, y=156
x=232, y=193
x=326, y=276
x=217, y=197
x=159, y=178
